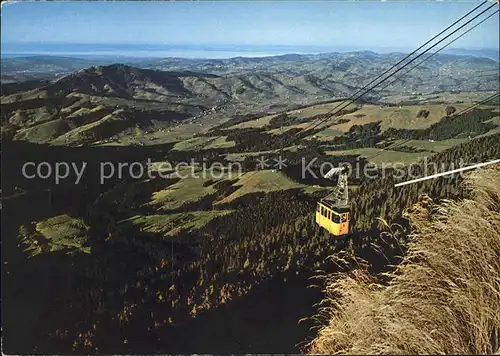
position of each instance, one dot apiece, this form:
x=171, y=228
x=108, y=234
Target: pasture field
x=383, y=156
x=264, y=181
x=170, y=225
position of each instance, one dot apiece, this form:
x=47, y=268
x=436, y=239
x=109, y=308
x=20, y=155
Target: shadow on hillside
x=34, y=288
x=30, y=285
x=264, y=321
x=27, y=284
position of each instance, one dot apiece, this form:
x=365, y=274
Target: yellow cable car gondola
x=332, y=212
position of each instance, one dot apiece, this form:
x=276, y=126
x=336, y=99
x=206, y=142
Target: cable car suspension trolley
x=332, y=212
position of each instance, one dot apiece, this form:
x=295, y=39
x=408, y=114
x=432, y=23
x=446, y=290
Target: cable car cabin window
x=336, y=218
x=343, y=218
x=322, y=211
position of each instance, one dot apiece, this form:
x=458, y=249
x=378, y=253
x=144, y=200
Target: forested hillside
x=135, y=277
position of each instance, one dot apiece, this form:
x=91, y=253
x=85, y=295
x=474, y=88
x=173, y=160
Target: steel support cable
x=353, y=98
x=398, y=70
x=433, y=54
x=470, y=108
x=342, y=103
x=425, y=59
x=409, y=55
x=436, y=52
x=398, y=144
x=464, y=111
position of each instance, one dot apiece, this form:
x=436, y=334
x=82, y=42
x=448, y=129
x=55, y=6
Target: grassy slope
x=241, y=156
x=192, y=189
x=220, y=142
x=436, y=146
x=189, y=189
x=387, y=156
x=57, y=233
x=194, y=143
x=443, y=298
x=402, y=117
x=64, y=232
x=260, y=122
x=203, y=143
x=264, y=181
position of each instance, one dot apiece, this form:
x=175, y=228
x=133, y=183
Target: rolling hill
x=207, y=92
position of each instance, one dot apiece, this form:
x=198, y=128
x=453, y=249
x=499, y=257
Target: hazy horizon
x=231, y=29
x=187, y=51
x=181, y=51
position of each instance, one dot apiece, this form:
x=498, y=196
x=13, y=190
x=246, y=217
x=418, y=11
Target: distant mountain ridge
x=491, y=53
x=50, y=67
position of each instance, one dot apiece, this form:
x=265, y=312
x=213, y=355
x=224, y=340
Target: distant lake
x=96, y=51
x=148, y=51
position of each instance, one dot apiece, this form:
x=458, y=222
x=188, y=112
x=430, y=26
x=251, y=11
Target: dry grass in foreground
x=443, y=299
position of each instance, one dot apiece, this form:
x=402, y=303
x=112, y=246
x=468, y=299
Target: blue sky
x=362, y=24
